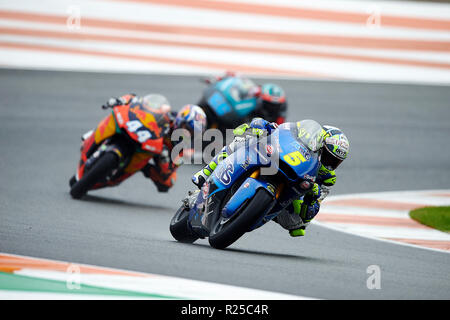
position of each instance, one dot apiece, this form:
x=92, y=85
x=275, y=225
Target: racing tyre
x=72, y=181
x=179, y=226
x=104, y=165
x=224, y=233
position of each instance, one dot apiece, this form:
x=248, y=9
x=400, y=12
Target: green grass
x=435, y=217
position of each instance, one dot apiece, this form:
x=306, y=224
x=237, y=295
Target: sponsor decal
x=119, y=118
x=271, y=188
x=244, y=106
x=205, y=190
x=296, y=144
x=245, y=164
x=247, y=185
x=341, y=152
x=305, y=185
x=269, y=149
x=305, y=152
x=341, y=143
x=225, y=175
x=149, y=148
x=302, y=149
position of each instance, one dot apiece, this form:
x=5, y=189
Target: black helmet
x=272, y=103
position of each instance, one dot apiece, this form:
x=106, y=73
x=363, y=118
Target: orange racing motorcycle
x=122, y=144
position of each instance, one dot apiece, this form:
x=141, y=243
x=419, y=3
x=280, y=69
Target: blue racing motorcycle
x=251, y=186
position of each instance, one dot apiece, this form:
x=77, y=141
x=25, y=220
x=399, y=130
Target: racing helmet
x=335, y=148
x=192, y=118
x=272, y=104
x=156, y=102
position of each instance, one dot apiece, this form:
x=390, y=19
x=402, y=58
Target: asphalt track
x=399, y=141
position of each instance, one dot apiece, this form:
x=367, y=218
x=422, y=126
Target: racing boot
x=300, y=232
x=306, y=212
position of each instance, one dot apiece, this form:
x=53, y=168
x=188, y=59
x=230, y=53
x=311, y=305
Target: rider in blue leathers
x=297, y=216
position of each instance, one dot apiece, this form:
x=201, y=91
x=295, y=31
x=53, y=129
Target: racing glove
x=307, y=208
x=113, y=102
x=199, y=178
x=326, y=177
x=260, y=123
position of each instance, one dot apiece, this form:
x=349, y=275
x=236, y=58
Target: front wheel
x=103, y=166
x=224, y=232
x=179, y=226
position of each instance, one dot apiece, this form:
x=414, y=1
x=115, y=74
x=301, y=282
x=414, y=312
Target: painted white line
x=323, y=67
x=28, y=295
x=417, y=55
x=155, y=284
x=365, y=212
x=388, y=194
x=178, y=17
x=431, y=10
x=380, y=232
x=198, y=17
x=167, y=286
x=391, y=232
x=375, y=238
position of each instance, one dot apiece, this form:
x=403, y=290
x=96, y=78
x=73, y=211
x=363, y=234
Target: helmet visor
x=329, y=160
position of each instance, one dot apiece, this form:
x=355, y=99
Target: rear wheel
x=179, y=226
x=104, y=165
x=224, y=232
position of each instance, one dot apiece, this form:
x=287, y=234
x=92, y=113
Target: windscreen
x=242, y=89
x=156, y=101
x=310, y=133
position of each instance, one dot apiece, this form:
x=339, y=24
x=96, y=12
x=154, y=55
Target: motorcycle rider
x=271, y=103
x=190, y=117
x=297, y=216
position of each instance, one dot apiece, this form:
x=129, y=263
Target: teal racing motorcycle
x=228, y=103
x=251, y=186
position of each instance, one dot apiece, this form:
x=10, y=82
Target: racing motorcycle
x=251, y=186
x=228, y=102
x=122, y=144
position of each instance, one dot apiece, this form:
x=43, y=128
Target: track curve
x=397, y=134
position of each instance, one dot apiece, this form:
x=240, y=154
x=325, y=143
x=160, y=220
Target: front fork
x=104, y=147
x=200, y=222
x=91, y=152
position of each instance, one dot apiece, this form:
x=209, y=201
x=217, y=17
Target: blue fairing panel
x=246, y=191
x=245, y=107
x=243, y=160
x=219, y=104
x=227, y=98
x=290, y=145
